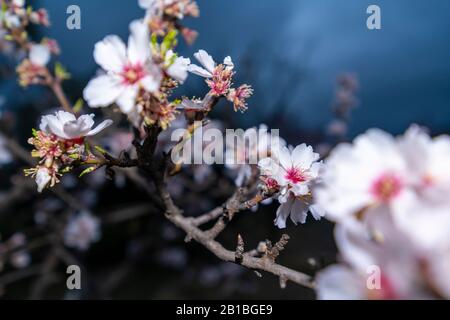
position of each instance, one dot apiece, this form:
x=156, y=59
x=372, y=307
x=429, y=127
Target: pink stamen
x=387, y=187
x=132, y=73
x=295, y=176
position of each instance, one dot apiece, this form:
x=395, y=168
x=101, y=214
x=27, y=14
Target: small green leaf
x=66, y=170
x=87, y=171
x=78, y=105
x=169, y=41
x=101, y=150
x=34, y=132
x=60, y=72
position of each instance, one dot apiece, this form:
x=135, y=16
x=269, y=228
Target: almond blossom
x=67, y=126
x=178, y=68
x=389, y=197
x=128, y=69
x=208, y=64
x=40, y=55
x=219, y=79
x=370, y=172
x=164, y=15
x=82, y=230
x=294, y=172
x=251, y=146
x=380, y=170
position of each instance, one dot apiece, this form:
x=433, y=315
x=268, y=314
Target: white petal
x=303, y=156
x=300, y=189
x=299, y=212
x=105, y=124
x=110, y=53
x=228, y=62
x=145, y=4
x=65, y=116
x=102, y=91
x=55, y=126
x=178, y=70
x=42, y=179
x=151, y=83
x=43, y=126
x=80, y=127
x=282, y=214
x=127, y=100
x=317, y=211
x=40, y=55
x=284, y=157
x=139, y=43
x=338, y=282
x=206, y=60
x=195, y=69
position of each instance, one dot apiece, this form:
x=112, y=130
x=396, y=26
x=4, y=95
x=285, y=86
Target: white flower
x=82, y=230
x=294, y=172
x=208, y=63
x=430, y=172
x=11, y=20
x=297, y=208
x=40, y=55
x=5, y=155
x=19, y=3
x=66, y=125
x=248, y=148
x=127, y=70
x=370, y=172
x=43, y=178
x=178, y=69
x=339, y=282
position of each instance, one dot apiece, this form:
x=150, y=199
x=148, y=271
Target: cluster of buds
x=15, y=16
x=156, y=110
x=33, y=69
x=219, y=78
x=163, y=16
x=60, y=146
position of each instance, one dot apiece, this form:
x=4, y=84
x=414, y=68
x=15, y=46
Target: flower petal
x=303, y=156
x=282, y=214
x=206, y=60
x=127, y=99
x=110, y=53
x=299, y=212
x=102, y=91
x=151, y=83
x=139, y=43
x=284, y=156
x=105, y=124
x=55, y=126
x=40, y=55
x=195, y=69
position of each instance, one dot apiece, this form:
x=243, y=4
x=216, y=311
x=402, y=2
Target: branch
x=205, y=238
x=248, y=261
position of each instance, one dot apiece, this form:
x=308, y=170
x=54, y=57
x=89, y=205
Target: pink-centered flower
x=128, y=69
x=370, y=172
x=294, y=172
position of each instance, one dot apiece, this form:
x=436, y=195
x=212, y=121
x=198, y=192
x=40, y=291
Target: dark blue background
x=293, y=50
